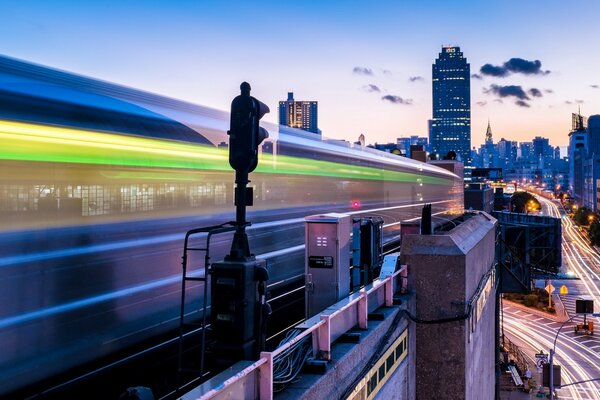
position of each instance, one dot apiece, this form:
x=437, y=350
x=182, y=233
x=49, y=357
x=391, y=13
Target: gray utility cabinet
x=327, y=260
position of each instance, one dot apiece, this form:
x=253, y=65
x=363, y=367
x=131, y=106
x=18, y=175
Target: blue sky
x=201, y=51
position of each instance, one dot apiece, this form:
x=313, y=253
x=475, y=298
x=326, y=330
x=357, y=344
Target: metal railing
x=327, y=327
x=516, y=353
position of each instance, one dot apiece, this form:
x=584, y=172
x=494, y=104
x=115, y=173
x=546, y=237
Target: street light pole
x=551, y=358
x=553, y=350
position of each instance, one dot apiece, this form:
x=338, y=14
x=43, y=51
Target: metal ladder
x=195, y=277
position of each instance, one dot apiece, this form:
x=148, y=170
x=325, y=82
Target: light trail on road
x=588, y=270
x=579, y=362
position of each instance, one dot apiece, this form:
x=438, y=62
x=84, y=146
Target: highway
x=577, y=354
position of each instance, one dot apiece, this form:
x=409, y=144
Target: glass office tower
x=450, y=127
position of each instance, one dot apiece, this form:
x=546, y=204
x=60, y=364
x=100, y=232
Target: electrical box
x=327, y=260
x=234, y=309
x=367, y=246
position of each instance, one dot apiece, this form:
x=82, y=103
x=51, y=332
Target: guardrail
x=324, y=328
x=516, y=352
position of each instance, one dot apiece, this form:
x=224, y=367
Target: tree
x=582, y=216
x=595, y=233
x=523, y=202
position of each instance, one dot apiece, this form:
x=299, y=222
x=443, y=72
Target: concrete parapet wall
x=349, y=359
x=446, y=271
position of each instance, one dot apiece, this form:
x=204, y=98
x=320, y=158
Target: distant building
x=404, y=143
x=543, y=151
x=456, y=167
x=591, y=166
x=525, y=150
x=417, y=152
x=361, y=140
x=299, y=114
x=577, y=154
x=507, y=153
x=597, y=194
x=479, y=196
x=387, y=147
x=450, y=127
x=487, y=174
x=487, y=156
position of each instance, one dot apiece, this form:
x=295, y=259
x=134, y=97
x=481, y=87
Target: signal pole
x=238, y=291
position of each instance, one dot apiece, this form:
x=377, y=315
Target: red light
x=355, y=204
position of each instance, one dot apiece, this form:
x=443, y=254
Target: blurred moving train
x=99, y=183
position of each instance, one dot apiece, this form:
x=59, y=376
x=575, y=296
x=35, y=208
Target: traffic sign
x=564, y=290
x=550, y=289
x=540, y=360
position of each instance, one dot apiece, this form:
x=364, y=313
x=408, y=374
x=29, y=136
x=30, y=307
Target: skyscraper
x=488, y=150
x=578, y=143
x=450, y=127
x=299, y=114
x=591, y=168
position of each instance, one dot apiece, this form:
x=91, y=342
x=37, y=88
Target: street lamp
x=553, y=350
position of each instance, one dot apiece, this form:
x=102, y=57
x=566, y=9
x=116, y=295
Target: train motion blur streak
x=99, y=183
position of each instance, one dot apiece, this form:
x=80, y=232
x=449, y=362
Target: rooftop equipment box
x=327, y=260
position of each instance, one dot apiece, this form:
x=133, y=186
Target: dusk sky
x=368, y=64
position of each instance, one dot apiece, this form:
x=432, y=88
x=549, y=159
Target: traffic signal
x=555, y=376
x=245, y=135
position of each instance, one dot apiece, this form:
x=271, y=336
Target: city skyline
x=369, y=67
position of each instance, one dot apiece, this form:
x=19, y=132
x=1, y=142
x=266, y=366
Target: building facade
x=542, y=151
x=450, y=127
x=577, y=155
x=591, y=168
x=404, y=143
x=299, y=114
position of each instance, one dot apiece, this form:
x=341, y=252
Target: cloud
x=476, y=76
x=363, y=71
x=396, y=99
x=481, y=103
x=548, y=90
x=514, y=65
x=517, y=92
x=521, y=66
x=416, y=78
x=594, y=86
x=491, y=70
x=507, y=91
x=535, y=92
x=522, y=103
x=371, y=88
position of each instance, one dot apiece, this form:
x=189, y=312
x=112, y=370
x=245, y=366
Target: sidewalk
x=508, y=390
